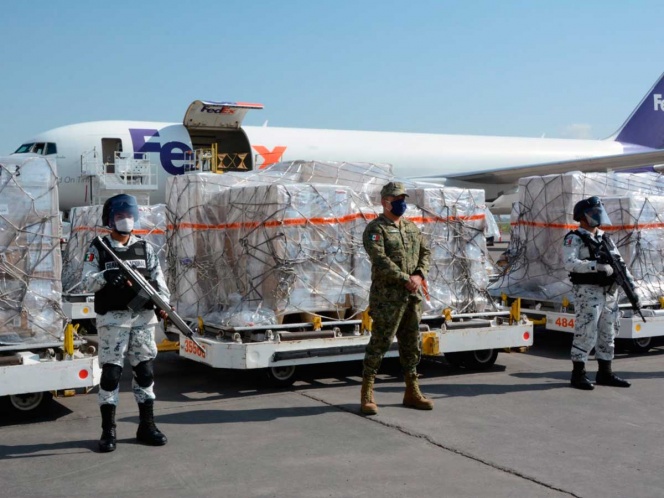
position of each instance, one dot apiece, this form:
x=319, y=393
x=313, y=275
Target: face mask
x=124, y=226
x=398, y=207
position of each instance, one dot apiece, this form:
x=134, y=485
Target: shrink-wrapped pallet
x=277, y=242
x=453, y=222
x=543, y=216
x=30, y=259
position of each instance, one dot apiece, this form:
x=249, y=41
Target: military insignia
x=375, y=237
x=568, y=241
x=89, y=257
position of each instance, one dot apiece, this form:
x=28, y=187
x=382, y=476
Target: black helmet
x=121, y=203
x=592, y=211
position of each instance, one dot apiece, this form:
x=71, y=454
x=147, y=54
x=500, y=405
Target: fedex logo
x=169, y=153
x=658, y=102
x=269, y=156
x=217, y=110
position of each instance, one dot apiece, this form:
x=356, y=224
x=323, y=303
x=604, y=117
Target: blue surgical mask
x=398, y=207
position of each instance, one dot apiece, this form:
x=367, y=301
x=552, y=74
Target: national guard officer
x=399, y=265
x=595, y=295
x=125, y=322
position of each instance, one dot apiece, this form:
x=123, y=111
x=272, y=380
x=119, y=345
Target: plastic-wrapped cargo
x=453, y=222
x=543, y=216
x=196, y=256
x=85, y=222
x=365, y=179
x=278, y=242
x=30, y=259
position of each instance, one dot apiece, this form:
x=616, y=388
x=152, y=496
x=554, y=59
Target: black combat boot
x=605, y=377
x=579, y=379
x=147, y=432
x=108, y=437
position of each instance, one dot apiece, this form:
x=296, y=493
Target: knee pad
x=143, y=373
x=110, y=376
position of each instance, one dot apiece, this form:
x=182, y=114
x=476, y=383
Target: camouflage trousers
x=135, y=343
x=596, y=322
x=394, y=319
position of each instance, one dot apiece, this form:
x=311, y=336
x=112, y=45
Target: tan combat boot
x=413, y=398
x=367, y=404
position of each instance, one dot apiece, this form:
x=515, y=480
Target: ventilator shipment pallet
x=31, y=374
x=469, y=340
x=636, y=334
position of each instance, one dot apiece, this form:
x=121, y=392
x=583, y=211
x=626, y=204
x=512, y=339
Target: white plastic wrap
x=30, y=259
x=289, y=240
x=543, y=216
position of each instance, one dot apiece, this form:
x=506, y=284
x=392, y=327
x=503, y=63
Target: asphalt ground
x=517, y=430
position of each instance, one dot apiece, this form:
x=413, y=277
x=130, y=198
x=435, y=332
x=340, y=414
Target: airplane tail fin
x=645, y=127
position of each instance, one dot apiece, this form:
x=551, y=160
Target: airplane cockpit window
x=38, y=148
x=24, y=148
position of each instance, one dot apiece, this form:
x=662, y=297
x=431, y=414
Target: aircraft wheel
x=280, y=376
x=482, y=359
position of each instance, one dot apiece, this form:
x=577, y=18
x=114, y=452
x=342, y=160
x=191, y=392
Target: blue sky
x=521, y=68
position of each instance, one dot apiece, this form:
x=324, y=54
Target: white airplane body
x=488, y=162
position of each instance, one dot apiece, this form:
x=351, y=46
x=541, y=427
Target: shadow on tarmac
x=8, y=452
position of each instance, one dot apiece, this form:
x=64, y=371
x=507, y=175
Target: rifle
x=149, y=294
x=605, y=255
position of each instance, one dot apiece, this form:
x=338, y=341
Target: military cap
x=393, y=188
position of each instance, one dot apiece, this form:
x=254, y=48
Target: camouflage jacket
x=396, y=252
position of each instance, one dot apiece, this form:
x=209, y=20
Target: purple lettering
x=138, y=136
x=168, y=153
x=173, y=151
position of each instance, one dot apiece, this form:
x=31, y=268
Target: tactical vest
x=600, y=278
x=110, y=298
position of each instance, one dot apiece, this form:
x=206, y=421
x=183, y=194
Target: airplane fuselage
x=412, y=155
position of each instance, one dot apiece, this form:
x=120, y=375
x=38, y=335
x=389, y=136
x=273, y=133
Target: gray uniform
x=596, y=320
x=125, y=333
x=397, y=251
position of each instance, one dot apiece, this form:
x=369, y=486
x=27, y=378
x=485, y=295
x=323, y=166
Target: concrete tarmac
x=517, y=430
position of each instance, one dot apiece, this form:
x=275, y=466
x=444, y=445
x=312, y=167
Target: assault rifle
x=147, y=292
x=607, y=257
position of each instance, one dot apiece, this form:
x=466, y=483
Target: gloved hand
x=116, y=279
x=606, y=269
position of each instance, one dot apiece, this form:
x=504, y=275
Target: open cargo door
x=217, y=136
x=206, y=115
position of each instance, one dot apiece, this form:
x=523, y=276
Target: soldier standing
x=399, y=266
x=125, y=321
x=595, y=295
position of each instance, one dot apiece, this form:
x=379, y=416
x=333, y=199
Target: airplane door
x=109, y=146
x=217, y=115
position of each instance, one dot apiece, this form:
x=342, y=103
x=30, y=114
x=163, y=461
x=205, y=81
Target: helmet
x=121, y=203
x=592, y=211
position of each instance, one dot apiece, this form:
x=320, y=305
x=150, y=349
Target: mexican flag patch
x=375, y=237
x=89, y=257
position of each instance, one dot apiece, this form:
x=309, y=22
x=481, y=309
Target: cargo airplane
x=85, y=152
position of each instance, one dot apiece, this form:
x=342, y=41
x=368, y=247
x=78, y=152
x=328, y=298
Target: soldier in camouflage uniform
x=125, y=322
x=399, y=265
x=595, y=296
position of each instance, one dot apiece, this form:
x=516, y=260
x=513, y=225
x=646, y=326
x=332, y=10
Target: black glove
x=115, y=279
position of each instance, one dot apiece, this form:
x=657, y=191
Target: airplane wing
x=511, y=175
